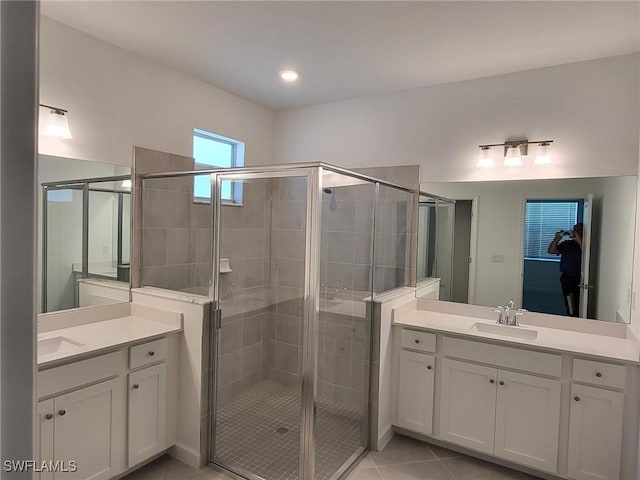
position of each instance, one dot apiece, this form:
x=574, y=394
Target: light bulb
x=513, y=158
x=543, y=157
x=56, y=125
x=486, y=158
x=289, y=75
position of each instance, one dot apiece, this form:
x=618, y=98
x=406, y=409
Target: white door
x=468, y=405
x=595, y=433
x=528, y=420
x=90, y=428
x=585, y=286
x=147, y=413
x=44, y=436
x=415, y=396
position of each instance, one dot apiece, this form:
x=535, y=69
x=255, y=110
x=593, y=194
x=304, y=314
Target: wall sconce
x=514, y=151
x=56, y=124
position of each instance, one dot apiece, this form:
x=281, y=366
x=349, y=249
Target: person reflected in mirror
x=569, y=246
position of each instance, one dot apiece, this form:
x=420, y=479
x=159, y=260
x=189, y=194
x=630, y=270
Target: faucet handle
x=501, y=311
x=511, y=304
x=518, y=313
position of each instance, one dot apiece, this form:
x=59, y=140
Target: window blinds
x=542, y=220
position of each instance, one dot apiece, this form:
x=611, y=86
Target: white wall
x=589, y=108
x=500, y=232
x=117, y=99
x=616, y=247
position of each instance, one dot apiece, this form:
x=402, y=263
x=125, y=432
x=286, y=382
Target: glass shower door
x=346, y=290
x=260, y=221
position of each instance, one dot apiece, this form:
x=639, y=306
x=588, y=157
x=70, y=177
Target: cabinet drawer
x=79, y=373
x=147, y=353
x=508, y=357
x=599, y=373
x=414, y=340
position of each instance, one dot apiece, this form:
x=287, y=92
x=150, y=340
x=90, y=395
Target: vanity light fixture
x=514, y=152
x=513, y=157
x=486, y=158
x=56, y=124
x=289, y=76
x=543, y=157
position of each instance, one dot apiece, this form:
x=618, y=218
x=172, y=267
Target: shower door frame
x=312, y=173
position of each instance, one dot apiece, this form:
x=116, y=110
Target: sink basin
x=57, y=345
x=326, y=304
x=505, y=330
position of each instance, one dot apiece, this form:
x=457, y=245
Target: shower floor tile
x=259, y=432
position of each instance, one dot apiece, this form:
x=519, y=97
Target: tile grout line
x=447, y=469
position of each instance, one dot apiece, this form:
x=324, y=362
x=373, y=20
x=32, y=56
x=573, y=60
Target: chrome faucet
x=509, y=314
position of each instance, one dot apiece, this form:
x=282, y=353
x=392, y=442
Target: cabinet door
x=90, y=428
x=468, y=405
x=147, y=413
x=595, y=433
x=528, y=420
x=44, y=436
x=415, y=399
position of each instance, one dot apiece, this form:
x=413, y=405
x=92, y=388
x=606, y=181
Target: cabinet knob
x=501, y=382
x=428, y=367
x=417, y=340
x=48, y=416
x=62, y=412
x=136, y=386
x=598, y=374
x=151, y=353
x=577, y=399
x=491, y=380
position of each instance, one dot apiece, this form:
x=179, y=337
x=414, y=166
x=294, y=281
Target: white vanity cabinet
x=108, y=413
x=415, y=400
x=147, y=412
x=527, y=419
x=468, y=404
x=506, y=414
x=88, y=426
x=596, y=421
x=416, y=381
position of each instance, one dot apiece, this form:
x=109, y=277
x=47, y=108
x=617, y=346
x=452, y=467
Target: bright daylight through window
x=211, y=151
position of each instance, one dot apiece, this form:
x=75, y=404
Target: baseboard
x=185, y=454
x=383, y=439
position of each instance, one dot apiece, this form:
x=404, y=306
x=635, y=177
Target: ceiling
x=351, y=49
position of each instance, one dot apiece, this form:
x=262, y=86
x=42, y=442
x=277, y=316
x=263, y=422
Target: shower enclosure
x=291, y=257
x=436, y=221
x=86, y=227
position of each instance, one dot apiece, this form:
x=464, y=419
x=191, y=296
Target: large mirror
x=84, y=233
x=562, y=247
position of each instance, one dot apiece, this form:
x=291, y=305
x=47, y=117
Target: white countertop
x=97, y=337
x=612, y=348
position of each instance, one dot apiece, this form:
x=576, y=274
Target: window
x=211, y=151
x=543, y=218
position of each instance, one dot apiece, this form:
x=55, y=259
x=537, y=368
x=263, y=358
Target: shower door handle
x=216, y=317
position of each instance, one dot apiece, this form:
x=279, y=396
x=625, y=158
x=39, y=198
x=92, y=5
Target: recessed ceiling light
x=289, y=75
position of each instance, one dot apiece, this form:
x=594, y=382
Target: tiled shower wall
x=285, y=317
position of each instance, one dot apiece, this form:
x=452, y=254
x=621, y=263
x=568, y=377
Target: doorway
x=541, y=288
x=461, y=251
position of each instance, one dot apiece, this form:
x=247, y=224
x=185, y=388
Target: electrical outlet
x=497, y=258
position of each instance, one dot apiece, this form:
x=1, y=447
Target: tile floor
x=402, y=459
x=259, y=431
